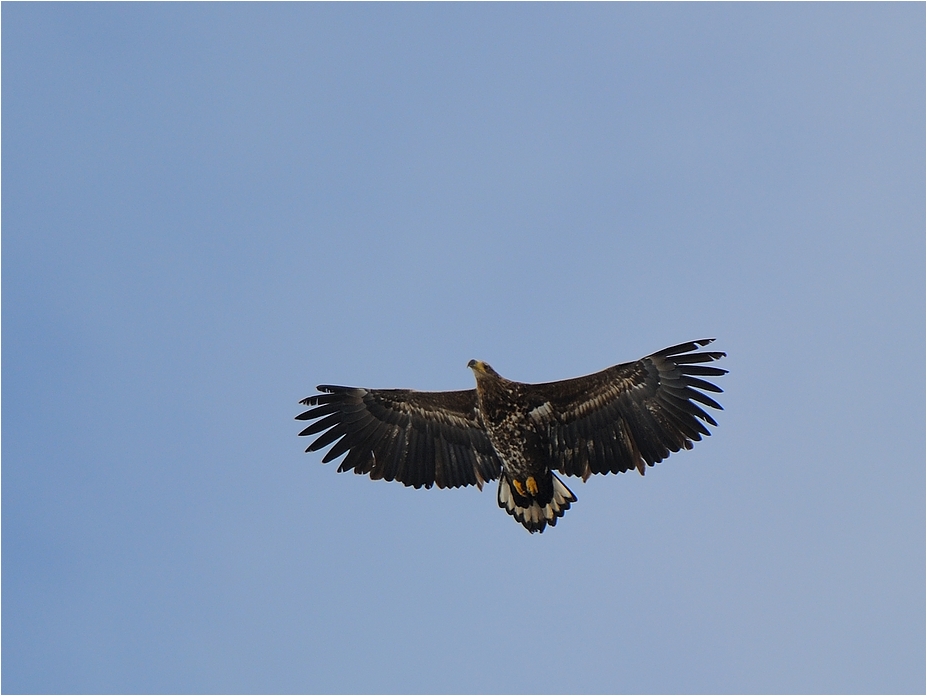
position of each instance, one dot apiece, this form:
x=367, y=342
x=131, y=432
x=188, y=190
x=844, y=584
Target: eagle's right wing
x=418, y=438
x=628, y=416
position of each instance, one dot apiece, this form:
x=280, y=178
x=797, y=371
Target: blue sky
x=209, y=209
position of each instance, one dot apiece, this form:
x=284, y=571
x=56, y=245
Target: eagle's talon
x=532, y=486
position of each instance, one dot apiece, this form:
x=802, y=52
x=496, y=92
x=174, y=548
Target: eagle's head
x=481, y=369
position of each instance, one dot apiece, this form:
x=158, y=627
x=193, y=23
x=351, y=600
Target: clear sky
x=209, y=209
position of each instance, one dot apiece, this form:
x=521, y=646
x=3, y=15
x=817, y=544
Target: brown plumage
x=629, y=416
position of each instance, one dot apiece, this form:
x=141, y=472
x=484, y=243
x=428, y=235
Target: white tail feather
x=534, y=517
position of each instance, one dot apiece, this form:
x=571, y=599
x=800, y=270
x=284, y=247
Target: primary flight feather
x=629, y=416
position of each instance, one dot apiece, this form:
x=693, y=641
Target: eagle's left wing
x=628, y=416
x=417, y=438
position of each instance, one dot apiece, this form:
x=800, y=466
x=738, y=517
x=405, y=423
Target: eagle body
x=528, y=490
x=628, y=416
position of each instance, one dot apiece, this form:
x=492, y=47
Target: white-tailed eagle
x=629, y=416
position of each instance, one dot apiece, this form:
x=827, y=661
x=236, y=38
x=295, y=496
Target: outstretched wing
x=418, y=438
x=629, y=415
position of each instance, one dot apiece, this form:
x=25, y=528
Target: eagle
x=629, y=416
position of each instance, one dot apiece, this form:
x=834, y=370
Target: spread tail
x=537, y=502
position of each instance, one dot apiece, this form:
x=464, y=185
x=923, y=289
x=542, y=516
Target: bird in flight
x=628, y=416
